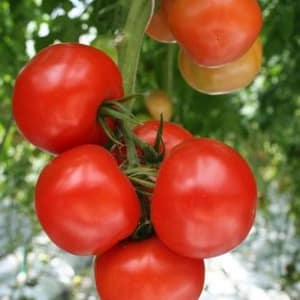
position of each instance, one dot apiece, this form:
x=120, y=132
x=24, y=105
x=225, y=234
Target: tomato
x=204, y=201
x=215, y=32
x=157, y=103
x=226, y=79
x=172, y=135
x=158, y=28
x=83, y=201
x=57, y=95
x=147, y=270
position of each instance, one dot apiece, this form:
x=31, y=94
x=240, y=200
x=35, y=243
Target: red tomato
x=172, y=135
x=84, y=203
x=204, y=200
x=215, y=32
x=158, y=28
x=147, y=270
x=57, y=95
x=226, y=79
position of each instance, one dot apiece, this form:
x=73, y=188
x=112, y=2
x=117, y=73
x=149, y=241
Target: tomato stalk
x=169, y=74
x=130, y=40
x=129, y=43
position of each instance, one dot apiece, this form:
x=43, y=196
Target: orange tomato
x=158, y=28
x=214, y=32
x=226, y=79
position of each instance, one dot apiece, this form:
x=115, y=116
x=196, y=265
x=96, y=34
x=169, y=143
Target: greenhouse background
x=261, y=121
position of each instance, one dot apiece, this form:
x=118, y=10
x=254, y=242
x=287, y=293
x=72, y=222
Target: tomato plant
x=83, y=201
x=157, y=103
x=158, y=28
x=225, y=79
x=215, y=32
x=199, y=195
x=147, y=270
x=204, y=200
x=57, y=95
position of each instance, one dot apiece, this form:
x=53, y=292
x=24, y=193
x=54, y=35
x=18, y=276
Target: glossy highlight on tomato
x=147, y=270
x=225, y=79
x=204, y=201
x=84, y=202
x=215, y=32
x=58, y=93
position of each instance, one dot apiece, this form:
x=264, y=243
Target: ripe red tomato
x=147, y=270
x=226, y=79
x=84, y=203
x=57, y=95
x=172, y=135
x=204, y=200
x=215, y=32
x=158, y=28
x=157, y=103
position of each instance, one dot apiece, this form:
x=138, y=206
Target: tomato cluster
x=220, y=47
x=152, y=204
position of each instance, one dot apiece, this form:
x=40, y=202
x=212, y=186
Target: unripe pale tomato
x=215, y=32
x=147, y=270
x=225, y=79
x=84, y=202
x=204, y=200
x=157, y=103
x=58, y=93
x=158, y=28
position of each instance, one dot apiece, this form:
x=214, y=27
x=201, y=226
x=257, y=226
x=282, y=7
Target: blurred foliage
x=262, y=121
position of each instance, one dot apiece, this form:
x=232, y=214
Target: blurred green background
x=262, y=122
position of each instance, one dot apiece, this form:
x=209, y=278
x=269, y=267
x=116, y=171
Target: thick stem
x=170, y=68
x=131, y=39
x=129, y=48
x=129, y=43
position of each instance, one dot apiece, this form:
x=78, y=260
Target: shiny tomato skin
x=226, y=79
x=158, y=27
x=215, y=32
x=83, y=201
x=204, y=201
x=147, y=270
x=57, y=95
x=172, y=135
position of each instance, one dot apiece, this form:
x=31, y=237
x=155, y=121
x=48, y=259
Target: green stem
x=131, y=40
x=171, y=51
x=133, y=160
x=129, y=48
x=6, y=133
